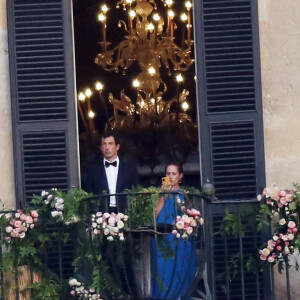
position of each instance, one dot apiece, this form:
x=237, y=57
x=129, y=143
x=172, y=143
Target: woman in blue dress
x=173, y=260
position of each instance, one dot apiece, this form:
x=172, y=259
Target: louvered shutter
x=231, y=130
x=229, y=97
x=43, y=96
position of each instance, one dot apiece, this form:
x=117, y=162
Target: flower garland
x=110, y=225
x=281, y=207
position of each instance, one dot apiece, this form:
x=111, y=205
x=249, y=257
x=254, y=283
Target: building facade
x=279, y=41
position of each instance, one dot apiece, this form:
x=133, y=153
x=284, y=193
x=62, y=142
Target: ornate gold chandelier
x=149, y=42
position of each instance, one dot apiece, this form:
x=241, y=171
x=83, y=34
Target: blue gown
x=173, y=260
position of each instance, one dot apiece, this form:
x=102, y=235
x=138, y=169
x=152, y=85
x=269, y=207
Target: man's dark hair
x=107, y=134
x=175, y=163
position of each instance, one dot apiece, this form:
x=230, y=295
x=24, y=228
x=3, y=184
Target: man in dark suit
x=112, y=174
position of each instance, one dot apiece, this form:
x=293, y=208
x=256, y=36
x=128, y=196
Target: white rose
x=22, y=235
x=115, y=229
x=122, y=238
x=94, y=225
x=95, y=231
x=275, y=238
x=282, y=221
x=17, y=215
x=178, y=235
x=99, y=220
x=201, y=221
x=259, y=197
x=125, y=218
x=43, y=193
x=54, y=213
x=110, y=238
x=120, y=224
x=120, y=215
x=112, y=220
x=106, y=231
x=46, y=202
x=8, y=215
x=73, y=281
x=59, y=206
x=106, y=215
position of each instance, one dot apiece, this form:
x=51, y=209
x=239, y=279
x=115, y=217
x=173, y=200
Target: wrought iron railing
x=215, y=254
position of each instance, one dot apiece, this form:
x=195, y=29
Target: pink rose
x=285, y=238
x=174, y=231
x=290, y=236
x=18, y=224
x=29, y=220
x=193, y=223
x=35, y=220
x=9, y=229
x=262, y=257
x=179, y=225
x=280, y=205
x=194, y=212
x=22, y=217
x=186, y=219
x=34, y=214
x=271, y=259
x=279, y=248
x=291, y=224
x=283, y=200
x=20, y=211
x=295, y=230
x=73, y=293
x=282, y=193
x=290, y=230
x=189, y=230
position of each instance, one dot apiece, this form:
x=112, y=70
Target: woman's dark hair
x=107, y=134
x=175, y=163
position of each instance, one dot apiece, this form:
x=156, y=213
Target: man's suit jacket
x=95, y=180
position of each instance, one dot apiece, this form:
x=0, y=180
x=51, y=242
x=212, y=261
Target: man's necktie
x=107, y=164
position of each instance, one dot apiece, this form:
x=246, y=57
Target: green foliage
x=142, y=206
x=45, y=290
x=235, y=224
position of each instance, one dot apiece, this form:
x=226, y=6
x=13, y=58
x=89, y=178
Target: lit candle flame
x=81, y=97
x=88, y=92
x=136, y=83
x=99, y=86
x=91, y=114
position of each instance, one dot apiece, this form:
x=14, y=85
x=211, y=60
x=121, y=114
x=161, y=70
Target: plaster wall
x=7, y=189
x=280, y=66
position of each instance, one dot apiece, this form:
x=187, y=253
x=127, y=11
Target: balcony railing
x=130, y=263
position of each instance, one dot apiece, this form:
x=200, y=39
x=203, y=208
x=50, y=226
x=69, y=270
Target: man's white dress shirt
x=112, y=176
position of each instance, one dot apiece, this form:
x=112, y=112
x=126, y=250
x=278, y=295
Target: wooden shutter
x=231, y=128
x=43, y=96
x=229, y=97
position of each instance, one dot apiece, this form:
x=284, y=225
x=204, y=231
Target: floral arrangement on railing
x=187, y=224
x=81, y=292
x=26, y=239
x=280, y=208
x=110, y=225
x=19, y=224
